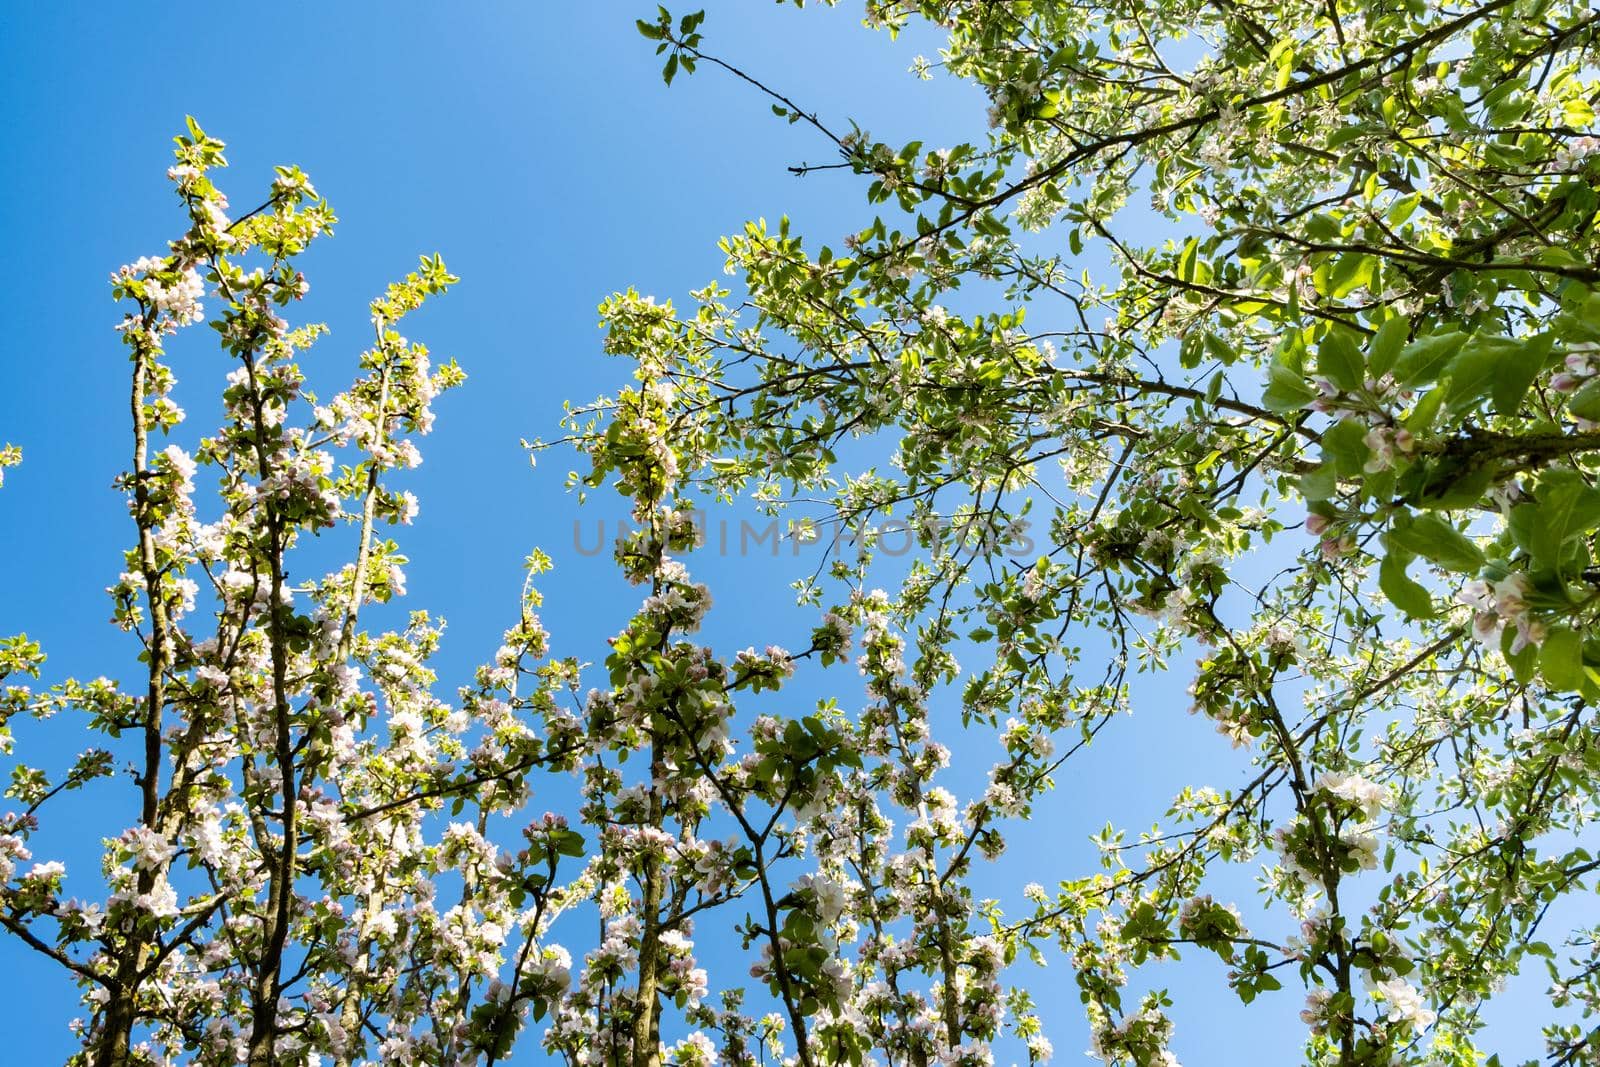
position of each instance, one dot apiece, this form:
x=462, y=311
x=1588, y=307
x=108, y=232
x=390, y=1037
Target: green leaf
x=1402, y=209
x=1387, y=343
x=1403, y=592
x=1567, y=507
x=1523, y=662
x=1319, y=483
x=1434, y=539
x=1579, y=319
x=1585, y=403
x=1515, y=373
x=1504, y=366
x=1220, y=350
x=1287, y=389
x=1425, y=359
x=1561, y=660
x=1449, y=486
x=1340, y=361
x=1425, y=411
x=1472, y=372
x=1351, y=272
x=1345, y=447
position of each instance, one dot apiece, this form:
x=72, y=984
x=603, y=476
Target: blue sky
x=534, y=146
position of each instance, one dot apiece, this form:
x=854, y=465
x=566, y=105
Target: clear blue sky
x=534, y=146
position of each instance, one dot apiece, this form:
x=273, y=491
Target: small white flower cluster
x=1371, y=404
x=180, y=299
x=1315, y=1013
x=681, y=604
x=1202, y=917
x=1581, y=363
x=13, y=850
x=1141, y=1037
x=772, y=662
x=1367, y=795
x=1405, y=1003
x=1575, y=154
x=696, y=1050
x=835, y=635
x=1579, y=367
x=826, y=895
x=1499, y=604
x=148, y=849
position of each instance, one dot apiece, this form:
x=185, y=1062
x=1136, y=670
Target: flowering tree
x=273, y=898
x=1369, y=312
x=1371, y=316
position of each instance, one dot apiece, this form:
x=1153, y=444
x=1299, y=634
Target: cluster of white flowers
x=179, y=298
x=1141, y=1037
x=148, y=849
x=1498, y=604
x=1405, y=1003
x=1371, y=403
x=1581, y=363
x=1574, y=155
x=13, y=850
x=696, y=1050
x=826, y=894
x=1363, y=844
x=835, y=635
x=1315, y=1013
x=48, y=872
x=1386, y=443
x=1367, y=795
